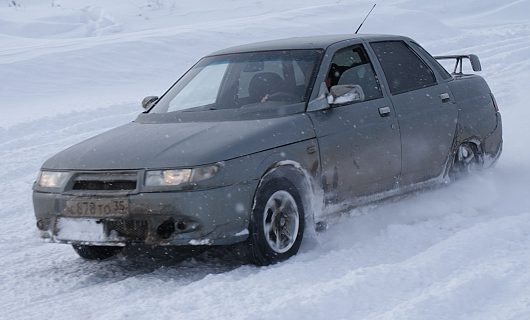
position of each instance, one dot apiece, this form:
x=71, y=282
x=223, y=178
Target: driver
x=263, y=85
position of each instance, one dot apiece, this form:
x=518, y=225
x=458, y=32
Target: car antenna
x=365, y=18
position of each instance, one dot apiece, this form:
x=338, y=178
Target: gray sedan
x=257, y=143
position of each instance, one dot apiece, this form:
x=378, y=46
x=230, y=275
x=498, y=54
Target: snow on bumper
x=206, y=217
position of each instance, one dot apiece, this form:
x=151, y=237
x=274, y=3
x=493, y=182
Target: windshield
x=271, y=78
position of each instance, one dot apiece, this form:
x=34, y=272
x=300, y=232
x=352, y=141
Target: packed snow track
x=460, y=251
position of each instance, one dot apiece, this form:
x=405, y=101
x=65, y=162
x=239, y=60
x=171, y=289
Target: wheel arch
x=470, y=139
x=462, y=136
x=310, y=195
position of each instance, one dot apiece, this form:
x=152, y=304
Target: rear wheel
x=96, y=252
x=277, y=223
x=467, y=159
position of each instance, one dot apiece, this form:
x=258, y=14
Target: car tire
x=467, y=159
x=96, y=252
x=276, y=224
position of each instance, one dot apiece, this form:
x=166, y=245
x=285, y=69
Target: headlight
x=155, y=178
x=52, y=179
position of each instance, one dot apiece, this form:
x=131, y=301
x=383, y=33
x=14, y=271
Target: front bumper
x=218, y=216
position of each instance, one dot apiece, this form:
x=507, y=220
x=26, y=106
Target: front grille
x=105, y=181
x=104, y=185
x=132, y=229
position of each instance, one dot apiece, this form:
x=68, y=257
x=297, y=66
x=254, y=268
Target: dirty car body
x=333, y=120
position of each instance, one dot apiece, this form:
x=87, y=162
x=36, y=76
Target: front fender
x=299, y=163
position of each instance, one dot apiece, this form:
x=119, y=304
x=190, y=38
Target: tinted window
x=441, y=70
x=352, y=66
x=403, y=69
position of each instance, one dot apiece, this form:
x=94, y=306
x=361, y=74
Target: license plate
x=96, y=207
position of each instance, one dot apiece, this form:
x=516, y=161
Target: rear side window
x=441, y=70
x=403, y=69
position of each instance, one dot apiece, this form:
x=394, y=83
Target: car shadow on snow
x=184, y=265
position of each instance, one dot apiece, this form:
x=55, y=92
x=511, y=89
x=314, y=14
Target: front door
x=359, y=142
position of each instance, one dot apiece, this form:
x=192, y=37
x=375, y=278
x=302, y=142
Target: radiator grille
x=104, y=185
x=105, y=181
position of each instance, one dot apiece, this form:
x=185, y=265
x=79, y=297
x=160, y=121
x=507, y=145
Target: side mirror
x=345, y=94
x=321, y=102
x=148, y=102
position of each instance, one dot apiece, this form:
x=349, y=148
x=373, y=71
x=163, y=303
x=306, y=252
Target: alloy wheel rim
x=281, y=221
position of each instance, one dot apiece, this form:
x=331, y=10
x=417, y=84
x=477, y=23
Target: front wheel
x=96, y=252
x=277, y=223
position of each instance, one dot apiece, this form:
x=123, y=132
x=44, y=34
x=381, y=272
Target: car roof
x=313, y=42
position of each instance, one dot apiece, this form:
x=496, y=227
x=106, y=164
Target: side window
x=352, y=66
x=403, y=69
x=439, y=68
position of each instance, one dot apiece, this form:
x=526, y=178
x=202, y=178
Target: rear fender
x=479, y=122
x=476, y=111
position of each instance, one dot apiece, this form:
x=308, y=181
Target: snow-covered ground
x=74, y=68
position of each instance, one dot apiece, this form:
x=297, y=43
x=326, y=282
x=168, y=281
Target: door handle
x=445, y=97
x=384, y=111
x=311, y=149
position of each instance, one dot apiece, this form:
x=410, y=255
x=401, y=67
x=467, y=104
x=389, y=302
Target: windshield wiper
x=201, y=108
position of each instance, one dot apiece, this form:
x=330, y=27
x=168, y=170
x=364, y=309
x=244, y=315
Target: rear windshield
x=271, y=78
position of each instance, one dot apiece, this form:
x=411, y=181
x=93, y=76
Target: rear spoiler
x=475, y=62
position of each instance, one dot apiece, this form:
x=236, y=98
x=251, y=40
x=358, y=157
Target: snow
x=75, y=229
x=78, y=68
x=202, y=242
x=243, y=232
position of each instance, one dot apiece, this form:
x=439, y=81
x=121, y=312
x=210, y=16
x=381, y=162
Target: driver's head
x=264, y=83
x=333, y=75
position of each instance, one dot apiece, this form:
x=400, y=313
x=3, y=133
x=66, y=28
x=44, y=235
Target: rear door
x=359, y=142
x=425, y=110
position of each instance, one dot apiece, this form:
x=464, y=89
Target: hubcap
x=281, y=221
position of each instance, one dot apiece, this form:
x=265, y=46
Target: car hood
x=167, y=145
